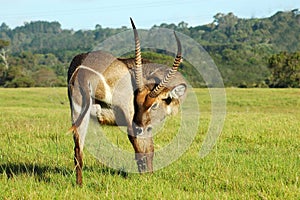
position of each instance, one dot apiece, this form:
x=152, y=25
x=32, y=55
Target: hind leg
x=79, y=134
x=78, y=157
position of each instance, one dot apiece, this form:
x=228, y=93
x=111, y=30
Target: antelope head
x=159, y=93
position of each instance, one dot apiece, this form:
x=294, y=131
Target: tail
x=86, y=99
x=73, y=130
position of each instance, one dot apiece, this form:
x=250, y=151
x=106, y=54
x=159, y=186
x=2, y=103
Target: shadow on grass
x=38, y=171
x=102, y=169
x=42, y=173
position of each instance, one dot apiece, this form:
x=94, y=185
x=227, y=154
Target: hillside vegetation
x=38, y=53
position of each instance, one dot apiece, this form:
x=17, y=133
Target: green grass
x=257, y=155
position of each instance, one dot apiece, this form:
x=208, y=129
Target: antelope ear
x=178, y=91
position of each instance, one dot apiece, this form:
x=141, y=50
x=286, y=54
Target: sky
x=86, y=14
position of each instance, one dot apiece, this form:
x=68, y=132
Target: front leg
x=96, y=112
x=150, y=154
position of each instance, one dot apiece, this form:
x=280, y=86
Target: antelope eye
x=168, y=100
x=155, y=106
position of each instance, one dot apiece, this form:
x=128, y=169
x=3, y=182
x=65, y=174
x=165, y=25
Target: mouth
x=141, y=163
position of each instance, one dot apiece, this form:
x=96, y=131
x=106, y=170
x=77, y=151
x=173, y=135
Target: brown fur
x=106, y=86
x=100, y=91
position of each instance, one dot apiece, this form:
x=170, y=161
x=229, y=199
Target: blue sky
x=85, y=14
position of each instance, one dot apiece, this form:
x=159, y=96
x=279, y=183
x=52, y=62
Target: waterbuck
x=126, y=92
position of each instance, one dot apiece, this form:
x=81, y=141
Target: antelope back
x=109, y=84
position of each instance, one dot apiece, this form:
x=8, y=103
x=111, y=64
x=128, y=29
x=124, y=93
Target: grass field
x=257, y=155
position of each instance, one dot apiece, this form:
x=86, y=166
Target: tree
x=4, y=27
x=4, y=59
x=285, y=70
x=16, y=77
x=45, y=78
x=23, y=81
x=3, y=54
x=226, y=23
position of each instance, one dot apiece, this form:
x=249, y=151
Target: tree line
x=248, y=52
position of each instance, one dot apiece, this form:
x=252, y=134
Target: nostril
x=139, y=130
x=149, y=129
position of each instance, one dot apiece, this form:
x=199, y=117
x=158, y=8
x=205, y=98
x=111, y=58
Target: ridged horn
x=157, y=90
x=138, y=59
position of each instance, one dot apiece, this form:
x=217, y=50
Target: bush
x=24, y=81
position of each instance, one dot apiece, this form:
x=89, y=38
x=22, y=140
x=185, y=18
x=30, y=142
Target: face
x=152, y=111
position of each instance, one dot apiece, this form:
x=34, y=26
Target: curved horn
x=157, y=90
x=138, y=60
